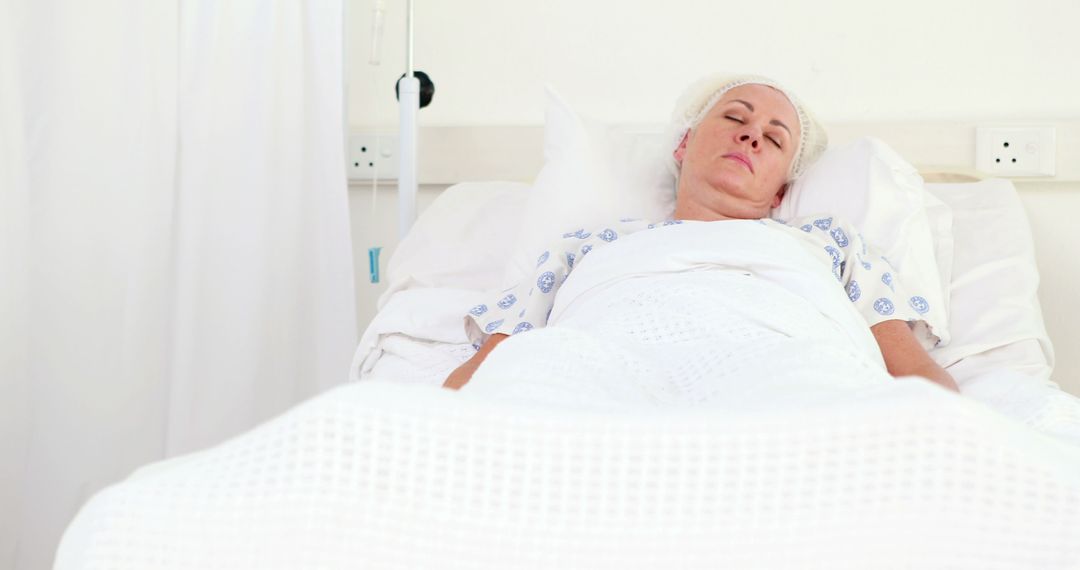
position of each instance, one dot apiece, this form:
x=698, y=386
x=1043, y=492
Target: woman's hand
x=904, y=356
x=462, y=374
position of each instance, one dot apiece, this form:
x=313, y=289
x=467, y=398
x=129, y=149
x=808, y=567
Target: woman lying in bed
x=675, y=328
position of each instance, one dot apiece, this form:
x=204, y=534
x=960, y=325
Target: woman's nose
x=748, y=137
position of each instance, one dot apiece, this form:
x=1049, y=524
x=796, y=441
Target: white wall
x=625, y=61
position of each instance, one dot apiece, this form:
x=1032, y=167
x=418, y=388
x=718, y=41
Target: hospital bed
x=390, y=472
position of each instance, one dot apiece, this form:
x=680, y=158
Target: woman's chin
x=732, y=183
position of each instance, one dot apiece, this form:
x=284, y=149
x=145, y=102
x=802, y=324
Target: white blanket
x=374, y=475
x=791, y=450
x=671, y=316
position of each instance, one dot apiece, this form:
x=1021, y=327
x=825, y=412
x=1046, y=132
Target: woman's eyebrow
x=772, y=122
x=781, y=125
x=748, y=105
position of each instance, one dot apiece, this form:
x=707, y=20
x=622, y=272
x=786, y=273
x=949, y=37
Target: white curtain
x=176, y=261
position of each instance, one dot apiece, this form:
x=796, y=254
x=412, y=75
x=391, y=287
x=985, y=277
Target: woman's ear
x=779, y=196
x=680, y=151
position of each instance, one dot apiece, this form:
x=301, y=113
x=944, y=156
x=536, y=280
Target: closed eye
x=775, y=142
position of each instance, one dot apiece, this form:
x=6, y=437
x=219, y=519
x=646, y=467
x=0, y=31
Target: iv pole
x=409, y=98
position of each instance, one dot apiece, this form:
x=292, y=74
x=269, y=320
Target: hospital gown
x=869, y=279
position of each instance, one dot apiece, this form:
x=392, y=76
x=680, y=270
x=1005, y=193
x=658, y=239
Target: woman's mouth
x=741, y=158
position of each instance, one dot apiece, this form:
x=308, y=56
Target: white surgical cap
x=696, y=102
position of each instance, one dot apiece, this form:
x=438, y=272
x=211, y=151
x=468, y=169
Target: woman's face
x=736, y=161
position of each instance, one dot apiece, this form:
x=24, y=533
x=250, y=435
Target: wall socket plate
x=372, y=154
x=1016, y=151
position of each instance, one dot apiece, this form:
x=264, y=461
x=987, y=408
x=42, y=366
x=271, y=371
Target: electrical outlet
x=372, y=155
x=1015, y=151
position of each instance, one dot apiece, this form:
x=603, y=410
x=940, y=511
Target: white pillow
x=451, y=245
x=593, y=174
x=869, y=185
x=996, y=319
